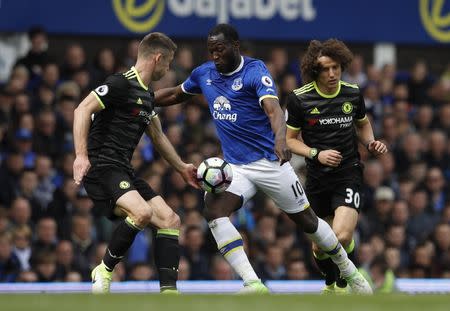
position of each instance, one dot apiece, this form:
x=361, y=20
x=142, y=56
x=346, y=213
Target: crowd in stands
x=50, y=230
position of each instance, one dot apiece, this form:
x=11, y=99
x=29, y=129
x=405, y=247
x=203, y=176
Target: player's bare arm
x=276, y=116
x=81, y=124
x=170, y=96
x=168, y=152
x=366, y=137
x=326, y=157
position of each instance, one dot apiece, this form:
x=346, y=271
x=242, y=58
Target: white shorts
x=280, y=183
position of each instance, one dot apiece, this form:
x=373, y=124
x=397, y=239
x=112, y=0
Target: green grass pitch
x=154, y=302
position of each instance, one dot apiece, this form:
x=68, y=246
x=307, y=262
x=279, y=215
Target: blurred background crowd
x=50, y=230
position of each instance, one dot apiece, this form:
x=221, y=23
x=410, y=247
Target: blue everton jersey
x=234, y=101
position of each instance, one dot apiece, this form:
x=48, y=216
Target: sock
x=325, y=238
x=167, y=257
x=230, y=245
x=326, y=267
x=340, y=282
x=121, y=240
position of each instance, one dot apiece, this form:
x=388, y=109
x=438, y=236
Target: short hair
x=156, y=42
x=36, y=30
x=228, y=31
x=333, y=48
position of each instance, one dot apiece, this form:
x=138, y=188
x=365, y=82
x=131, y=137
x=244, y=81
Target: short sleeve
x=112, y=92
x=191, y=85
x=361, y=110
x=263, y=82
x=294, y=112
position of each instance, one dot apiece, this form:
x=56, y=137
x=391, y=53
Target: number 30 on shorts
x=352, y=197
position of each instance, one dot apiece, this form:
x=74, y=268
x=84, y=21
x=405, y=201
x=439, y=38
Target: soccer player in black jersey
x=331, y=116
x=108, y=125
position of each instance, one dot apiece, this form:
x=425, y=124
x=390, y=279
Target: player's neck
x=144, y=74
x=326, y=90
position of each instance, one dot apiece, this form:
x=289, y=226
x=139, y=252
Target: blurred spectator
x=82, y=235
x=10, y=173
x=380, y=277
x=9, y=263
x=420, y=222
x=192, y=251
x=221, y=269
x=22, y=246
x=183, y=64
x=46, y=239
x=24, y=145
x=46, y=268
x=20, y=212
x=296, y=270
x=184, y=270
x=141, y=271
x=74, y=60
x=131, y=54
x=437, y=191
x=73, y=276
x=355, y=72
x=380, y=215
x=273, y=266
x=419, y=83
x=104, y=65
x=37, y=56
x=68, y=261
x=27, y=276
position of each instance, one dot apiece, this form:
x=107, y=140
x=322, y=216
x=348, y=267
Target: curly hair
x=333, y=48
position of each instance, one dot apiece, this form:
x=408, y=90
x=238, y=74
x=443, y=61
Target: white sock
x=230, y=245
x=325, y=238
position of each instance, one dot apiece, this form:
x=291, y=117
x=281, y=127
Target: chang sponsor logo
x=222, y=110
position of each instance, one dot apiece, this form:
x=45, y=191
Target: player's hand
x=330, y=157
x=376, y=147
x=81, y=166
x=189, y=174
x=282, y=151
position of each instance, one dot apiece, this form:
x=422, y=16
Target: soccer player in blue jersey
x=243, y=102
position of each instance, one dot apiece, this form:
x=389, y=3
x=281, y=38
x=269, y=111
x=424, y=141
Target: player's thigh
x=281, y=184
x=320, y=202
x=133, y=205
x=163, y=217
x=241, y=185
x=120, y=185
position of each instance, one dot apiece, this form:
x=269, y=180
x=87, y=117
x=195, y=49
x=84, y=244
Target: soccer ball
x=214, y=175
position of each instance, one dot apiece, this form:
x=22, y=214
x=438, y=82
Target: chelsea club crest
x=237, y=84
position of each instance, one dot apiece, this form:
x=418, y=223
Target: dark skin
x=226, y=57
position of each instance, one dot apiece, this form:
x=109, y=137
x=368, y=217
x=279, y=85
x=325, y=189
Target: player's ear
x=158, y=57
x=236, y=44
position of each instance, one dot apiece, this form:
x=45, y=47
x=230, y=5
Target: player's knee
x=211, y=214
x=345, y=238
x=173, y=221
x=143, y=217
x=316, y=249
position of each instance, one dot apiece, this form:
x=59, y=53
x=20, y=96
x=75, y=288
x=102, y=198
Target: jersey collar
x=327, y=95
x=139, y=78
x=236, y=70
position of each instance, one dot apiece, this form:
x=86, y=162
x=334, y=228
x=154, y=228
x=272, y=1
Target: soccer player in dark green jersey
x=108, y=125
x=331, y=116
